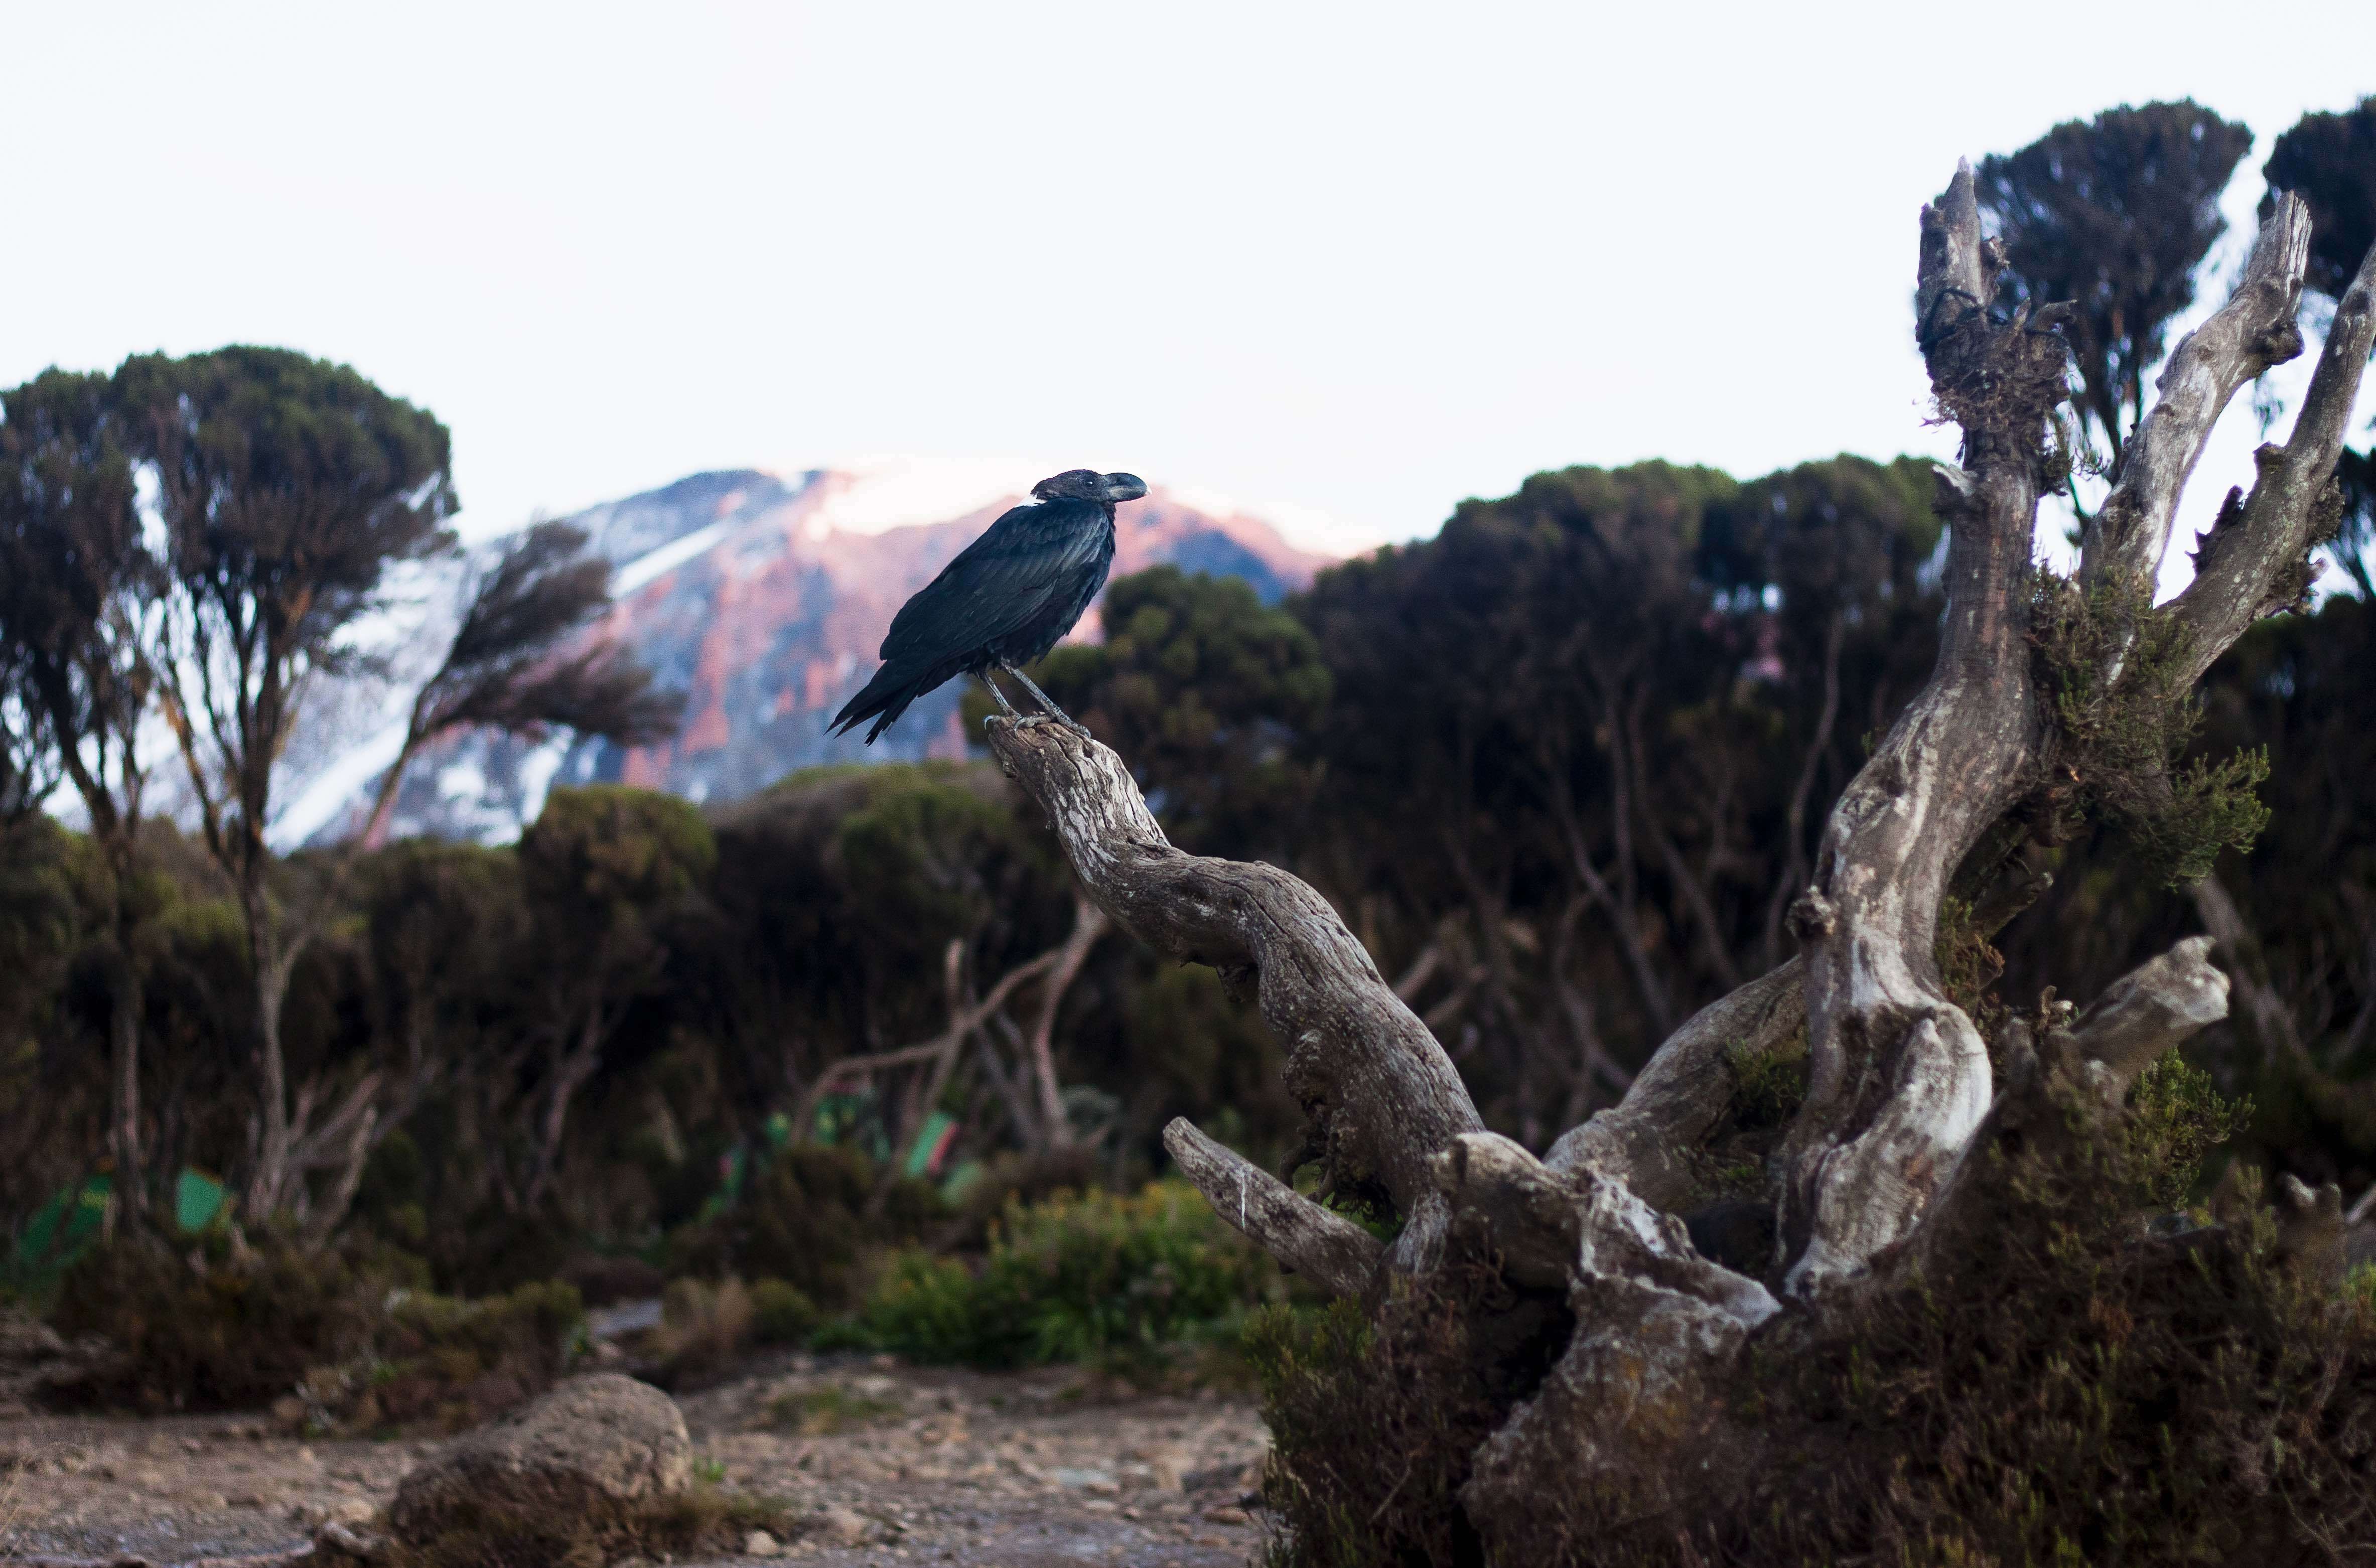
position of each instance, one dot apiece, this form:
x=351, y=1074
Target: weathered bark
x=2255, y=561
x=1323, y=1247
x=1684, y=1090
x=1380, y=1094
x=1899, y=1076
x=2253, y=331
x=2069, y=1086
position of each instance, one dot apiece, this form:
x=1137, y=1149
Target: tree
x=1554, y=1356
x=510, y=665
x=290, y=489
x=2329, y=161
x=604, y=869
x=287, y=488
x=44, y=899
x=2113, y=217
x=1207, y=690
x=446, y=939
x=77, y=599
x=1578, y=738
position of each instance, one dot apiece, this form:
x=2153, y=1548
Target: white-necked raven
x=1005, y=601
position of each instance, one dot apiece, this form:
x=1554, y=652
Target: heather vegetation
x=850, y=1064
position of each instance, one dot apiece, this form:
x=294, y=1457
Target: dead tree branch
x=1381, y=1095
x=2255, y=561
x=2253, y=331
x=1323, y=1247
x=2085, y=1066
x=1679, y=1095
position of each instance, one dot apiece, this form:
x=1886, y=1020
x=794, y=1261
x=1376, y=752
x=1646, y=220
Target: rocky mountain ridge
x=763, y=597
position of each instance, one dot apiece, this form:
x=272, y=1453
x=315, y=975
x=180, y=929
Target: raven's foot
x=1077, y=728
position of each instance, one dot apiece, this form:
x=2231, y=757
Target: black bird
x=1007, y=599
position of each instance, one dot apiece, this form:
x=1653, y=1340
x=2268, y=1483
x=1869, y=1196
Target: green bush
x=332, y=1340
x=449, y=1365
x=230, y=1333
x=804, y=1221
x=1096, y=1275
x=781, y=1314
x=702, y=1329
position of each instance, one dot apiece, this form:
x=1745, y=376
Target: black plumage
x=1007, y=599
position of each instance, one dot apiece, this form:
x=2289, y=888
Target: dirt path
x=885, y=1463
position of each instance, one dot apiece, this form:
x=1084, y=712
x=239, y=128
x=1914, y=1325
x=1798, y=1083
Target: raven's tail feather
x=884, y=699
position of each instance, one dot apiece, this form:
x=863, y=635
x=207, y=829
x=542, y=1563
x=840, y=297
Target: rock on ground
x=593, y=1441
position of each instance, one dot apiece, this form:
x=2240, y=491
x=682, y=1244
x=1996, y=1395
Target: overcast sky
x=1364, y=258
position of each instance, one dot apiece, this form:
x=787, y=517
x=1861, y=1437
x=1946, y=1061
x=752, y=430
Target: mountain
x=763, y=597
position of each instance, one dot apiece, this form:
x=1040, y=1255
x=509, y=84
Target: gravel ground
x=884, y=1463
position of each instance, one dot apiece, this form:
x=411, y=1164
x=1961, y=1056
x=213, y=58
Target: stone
x=759, y=1543
x=595, y=1442
x=334, y=1541
x=841, y=1525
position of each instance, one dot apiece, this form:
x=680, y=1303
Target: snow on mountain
x=763, y=597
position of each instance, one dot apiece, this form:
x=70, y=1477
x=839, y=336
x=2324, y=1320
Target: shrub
x=220, y=1332
x=332, y=1340
x=2065, y=1386
x=816, y=1412
x=1088, y=1276
x=451, y=1364
x=702, y=1329
x=781, y=1314
x=1374, y=1424
x=804, y=1221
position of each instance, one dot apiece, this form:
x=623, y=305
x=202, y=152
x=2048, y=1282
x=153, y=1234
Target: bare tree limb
x=1679, y=1095
x=1380, y=1093
x=963, y=1021
x=2251, y=332
x=2151, y=1009
x=1089, y=924
x=2271, y=1020
x=1325, y=1248
x=1422, y=969
x=2087, y=1064
x=1555, y=1228
x=2255, y=559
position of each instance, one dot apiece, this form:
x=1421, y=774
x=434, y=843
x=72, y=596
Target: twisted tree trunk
x=1878, y=1170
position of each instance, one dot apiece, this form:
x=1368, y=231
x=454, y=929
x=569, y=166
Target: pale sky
x=1368, y=260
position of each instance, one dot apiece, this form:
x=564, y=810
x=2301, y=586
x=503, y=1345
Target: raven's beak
x=1123, y=487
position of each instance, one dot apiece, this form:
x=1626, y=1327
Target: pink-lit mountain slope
x=764, y=598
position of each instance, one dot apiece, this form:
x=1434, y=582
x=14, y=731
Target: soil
x=882, y=1462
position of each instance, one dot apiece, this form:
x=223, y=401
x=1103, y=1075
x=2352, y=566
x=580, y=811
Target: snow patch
x=878, y=492
x=329, y=791
x=536, y=771
x=668, y=557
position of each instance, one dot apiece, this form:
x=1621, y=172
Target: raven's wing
x=1021, y=565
